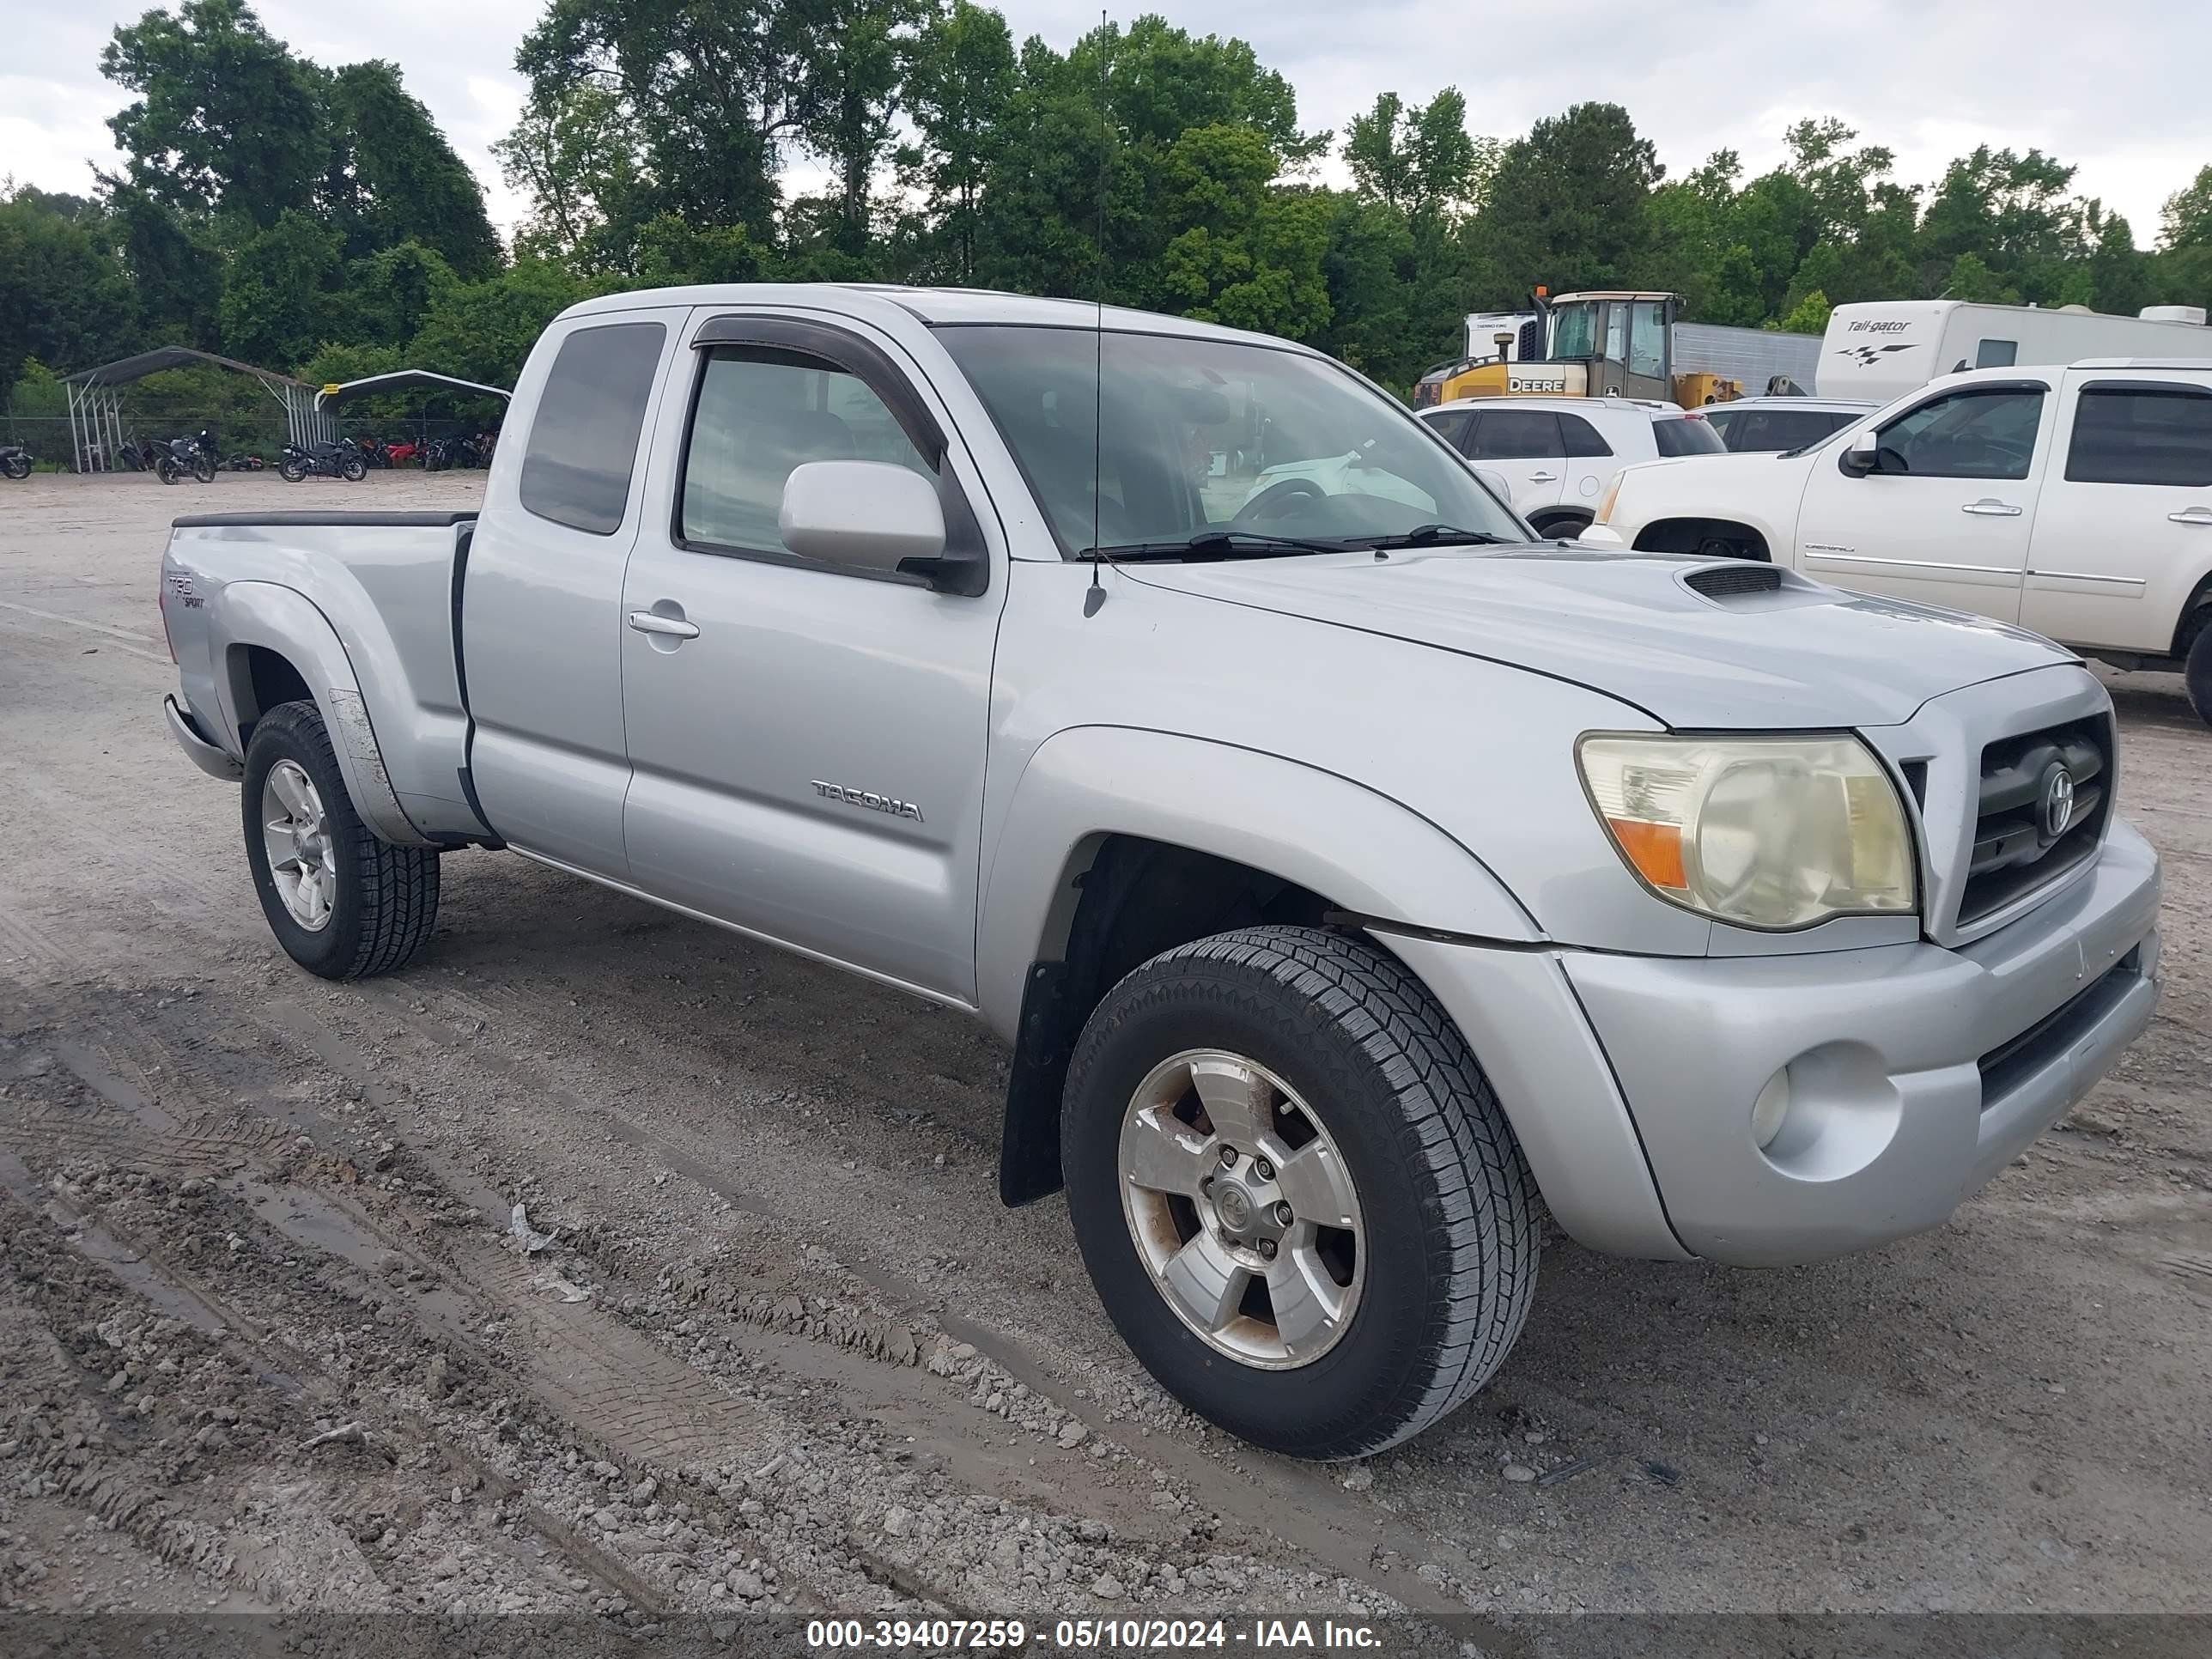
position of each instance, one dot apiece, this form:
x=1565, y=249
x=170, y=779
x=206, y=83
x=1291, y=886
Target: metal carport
x=95, y=399
x=400, y=380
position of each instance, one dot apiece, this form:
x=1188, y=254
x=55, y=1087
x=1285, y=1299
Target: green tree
x=1250, y=257
x=64, y=297
x=394, y=291
x=1422, y=161
x=703, y=92
x=2187, y=219
x=1571, y=204
x=483, y=330
x=960, y=80
x=1809, y=316
x=277, y=296
x=392, y=177
x=225, y=117
x=575, y=157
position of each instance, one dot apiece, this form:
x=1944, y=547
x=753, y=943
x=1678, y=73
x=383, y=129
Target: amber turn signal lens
x=1655, y=850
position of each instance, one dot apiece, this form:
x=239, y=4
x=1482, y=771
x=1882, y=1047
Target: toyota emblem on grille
x=2057, y=801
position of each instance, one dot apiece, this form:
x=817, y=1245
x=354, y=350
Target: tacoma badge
x=867, y=798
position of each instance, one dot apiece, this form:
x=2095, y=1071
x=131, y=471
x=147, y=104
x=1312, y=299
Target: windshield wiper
x=1220, y=543
x=1437, y=535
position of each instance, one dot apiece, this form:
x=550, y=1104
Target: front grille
x=2014, y=851
x=2008, y=1065
x=1721, y=582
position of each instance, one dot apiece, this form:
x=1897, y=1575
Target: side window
x=1996, y=354
x=760, y=413
x=1517, y=434
x=1685, y=434
x=1582, y=438
x=2138, y=436
x=1966, y=434
x=583, y=439
x=1647, y=337
x=1452, y=428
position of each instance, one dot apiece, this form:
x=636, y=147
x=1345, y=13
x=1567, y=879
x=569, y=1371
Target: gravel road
x=272, y=1336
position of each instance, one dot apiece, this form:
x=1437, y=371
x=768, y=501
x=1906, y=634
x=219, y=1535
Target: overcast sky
x=2120, y=94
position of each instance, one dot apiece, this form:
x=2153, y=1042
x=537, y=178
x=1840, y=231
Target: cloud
x=2120, y=100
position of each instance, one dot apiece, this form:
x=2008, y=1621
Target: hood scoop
x=1728, y=581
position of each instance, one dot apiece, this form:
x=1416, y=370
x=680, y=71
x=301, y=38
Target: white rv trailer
x=1885, y=349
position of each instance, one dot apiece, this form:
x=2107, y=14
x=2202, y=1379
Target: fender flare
x=285, y=620
x=1364, y=851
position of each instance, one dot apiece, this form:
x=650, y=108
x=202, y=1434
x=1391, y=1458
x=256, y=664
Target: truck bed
x=362, y=609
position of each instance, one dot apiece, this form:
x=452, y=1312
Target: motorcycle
x=373, y=452
x=329, y=460
x=14, y=461
x=455, y=451
x=183, y=458
x=404, y=451
x=242, y=462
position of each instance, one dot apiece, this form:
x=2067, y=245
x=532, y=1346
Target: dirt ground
x=268, y=1339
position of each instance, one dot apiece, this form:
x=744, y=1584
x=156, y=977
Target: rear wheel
x=1298, y=1199
x=343, y=903
x=19, y=467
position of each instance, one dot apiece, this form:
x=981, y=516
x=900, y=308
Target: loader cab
x=1624, y=341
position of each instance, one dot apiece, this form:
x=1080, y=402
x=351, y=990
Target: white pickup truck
x=1352, y=879
x=2074, y=501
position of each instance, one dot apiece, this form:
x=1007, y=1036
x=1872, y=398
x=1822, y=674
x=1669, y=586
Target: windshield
x=1263, y=449
x=1574, y=330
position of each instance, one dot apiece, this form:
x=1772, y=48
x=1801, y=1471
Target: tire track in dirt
x=1301, y=1504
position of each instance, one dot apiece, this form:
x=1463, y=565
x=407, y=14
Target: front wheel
x=203, y=472
x=1295, y=1191
x=17, y=467
x=166, y=470
x=355, y=470
x=2197, y=668
x=291, y=472
x=343, y=903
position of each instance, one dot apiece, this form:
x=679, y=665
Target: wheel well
x=1689, y=534
x=1122, y=900
x=1554, y=518
x=260, y=680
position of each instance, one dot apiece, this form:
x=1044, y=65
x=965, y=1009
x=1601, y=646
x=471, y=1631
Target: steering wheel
x=2011, y=452
x=1278, y=499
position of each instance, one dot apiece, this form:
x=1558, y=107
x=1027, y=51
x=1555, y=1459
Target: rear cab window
x=1685, y=435
x=583, y=438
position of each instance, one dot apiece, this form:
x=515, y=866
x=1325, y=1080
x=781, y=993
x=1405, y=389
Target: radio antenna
x=1094, y=597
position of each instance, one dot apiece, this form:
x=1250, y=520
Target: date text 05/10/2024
x=1090, y=1635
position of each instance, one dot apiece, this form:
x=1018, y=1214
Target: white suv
x=2074, y=501
x=1557, y=454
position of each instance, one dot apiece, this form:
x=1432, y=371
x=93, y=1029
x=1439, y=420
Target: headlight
x=1606, y=501
x=1764, y=832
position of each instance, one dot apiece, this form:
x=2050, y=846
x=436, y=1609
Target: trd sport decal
x=1866, y=355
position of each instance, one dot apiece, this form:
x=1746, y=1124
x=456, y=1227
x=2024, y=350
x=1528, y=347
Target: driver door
x=1945, y=518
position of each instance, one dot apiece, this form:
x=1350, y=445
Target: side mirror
x=871, y=515
x=1863, y=455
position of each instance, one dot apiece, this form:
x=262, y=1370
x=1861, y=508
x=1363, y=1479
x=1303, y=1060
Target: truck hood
x=1628, y=625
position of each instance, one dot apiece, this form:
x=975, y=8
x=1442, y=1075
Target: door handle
x=652, y=622
x=2200, y=516
x=1990, y=509
x=1543, y=477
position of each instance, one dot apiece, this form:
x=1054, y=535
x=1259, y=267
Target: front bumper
x=211, y=758
x=1916, y=1073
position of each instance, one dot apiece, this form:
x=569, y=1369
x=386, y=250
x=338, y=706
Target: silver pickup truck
x=1354, y=880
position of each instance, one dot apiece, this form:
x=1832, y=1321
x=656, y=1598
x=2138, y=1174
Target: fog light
x=1769, y=1110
